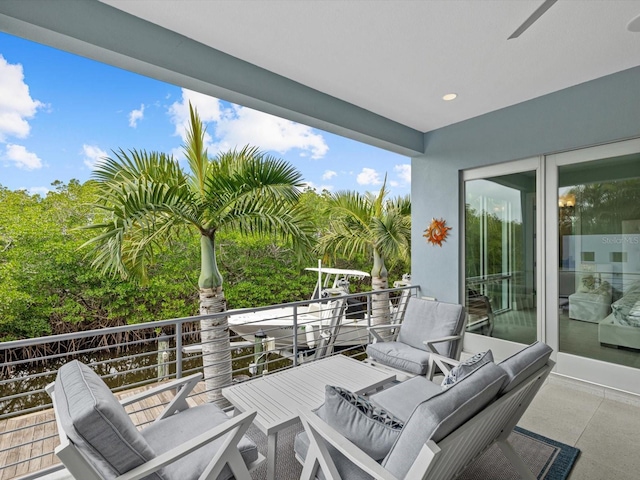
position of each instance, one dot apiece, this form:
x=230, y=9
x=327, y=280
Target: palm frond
x=195, y=151
x=147, y=198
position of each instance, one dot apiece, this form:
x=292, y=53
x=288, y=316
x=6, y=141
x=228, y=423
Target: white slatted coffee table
x=278, y=396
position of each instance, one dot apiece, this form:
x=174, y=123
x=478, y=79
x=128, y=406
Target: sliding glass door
x=500, y=252
x=595, y=196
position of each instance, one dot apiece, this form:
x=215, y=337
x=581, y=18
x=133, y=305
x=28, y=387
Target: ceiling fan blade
x=546, y=5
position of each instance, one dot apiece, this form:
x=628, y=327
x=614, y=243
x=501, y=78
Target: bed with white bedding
x=622, y=327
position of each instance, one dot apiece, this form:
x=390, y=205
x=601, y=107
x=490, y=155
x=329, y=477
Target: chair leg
x=238, y=467
x=309, y=469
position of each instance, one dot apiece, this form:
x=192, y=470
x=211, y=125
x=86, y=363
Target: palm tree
x=149, y=199
x=373, y=226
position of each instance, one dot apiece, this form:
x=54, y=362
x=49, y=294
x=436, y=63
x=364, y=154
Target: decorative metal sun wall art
x=437, y=232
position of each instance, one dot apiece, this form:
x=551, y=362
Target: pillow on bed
x=463, y=369
x=370, y=428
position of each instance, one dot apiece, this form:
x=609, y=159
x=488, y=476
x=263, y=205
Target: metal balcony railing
x=134, y=357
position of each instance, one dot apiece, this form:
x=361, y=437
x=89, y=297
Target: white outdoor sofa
x=426, y=432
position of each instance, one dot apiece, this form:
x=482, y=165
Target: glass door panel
x=599, y=259
x=500, y=258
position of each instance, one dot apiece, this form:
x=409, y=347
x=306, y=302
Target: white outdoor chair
x=98, y=440
x=428, y=327
x=442, y=433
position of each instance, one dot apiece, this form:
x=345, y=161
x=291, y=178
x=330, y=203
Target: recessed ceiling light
x=634, y=25
x=449, y=96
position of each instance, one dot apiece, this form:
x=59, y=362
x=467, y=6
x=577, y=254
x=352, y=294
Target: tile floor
x=604, y=425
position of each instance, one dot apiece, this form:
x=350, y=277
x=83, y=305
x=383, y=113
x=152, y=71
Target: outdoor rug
x=547, y=459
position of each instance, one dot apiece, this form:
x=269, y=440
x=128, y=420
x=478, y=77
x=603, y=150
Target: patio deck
x=603, y=424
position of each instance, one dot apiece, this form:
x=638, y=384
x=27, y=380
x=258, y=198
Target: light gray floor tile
x=588, y=468
x=561, y=413
x=611, y=437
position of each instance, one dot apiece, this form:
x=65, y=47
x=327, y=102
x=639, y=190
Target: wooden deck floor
x=27, y=442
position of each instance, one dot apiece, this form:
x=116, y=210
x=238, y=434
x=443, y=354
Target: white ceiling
x=397, y=58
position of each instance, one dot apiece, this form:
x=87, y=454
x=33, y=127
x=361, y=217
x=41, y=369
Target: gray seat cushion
x=426, y=320
x=523, y=363
x=346, y=469
x=401, y=400
x=95, y=421
x=172, y=431
x=441, y=414
x=401, y=356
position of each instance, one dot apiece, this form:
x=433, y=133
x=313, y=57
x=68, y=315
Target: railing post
x=295, y=335
x=259, y=351
x=178, y=350
x=369, y=337
x=163, y=356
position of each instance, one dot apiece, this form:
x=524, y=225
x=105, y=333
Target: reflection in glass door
x=500, y=260
x=599, y=259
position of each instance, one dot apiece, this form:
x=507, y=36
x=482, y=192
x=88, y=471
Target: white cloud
x=404, y=172
x=42, y=191
x=135, y=116
x=16, y=104
x=317, y=188
x=368, y=176
x=93, y=155
x=329, y=174
x=246, y=126
x=393, y=183
x=22, y=158
x=238, y=126
x=209, y=109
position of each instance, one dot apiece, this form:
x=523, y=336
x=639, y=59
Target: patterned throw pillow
x=371, y=428
x=465, y=368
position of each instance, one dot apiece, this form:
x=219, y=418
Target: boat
x=275, y=325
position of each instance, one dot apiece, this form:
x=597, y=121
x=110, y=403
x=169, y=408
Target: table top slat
x=278, y=397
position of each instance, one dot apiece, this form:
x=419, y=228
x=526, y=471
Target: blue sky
x=60, y=113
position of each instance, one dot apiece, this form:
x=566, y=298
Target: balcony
x=601, y=423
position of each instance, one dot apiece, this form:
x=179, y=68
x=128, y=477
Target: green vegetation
x=48, y=286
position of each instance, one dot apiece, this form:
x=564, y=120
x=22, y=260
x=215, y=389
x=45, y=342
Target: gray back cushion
x=441, y=414
x=95, y=421
x=523, y=363
x=368, y=426
x=426, y=319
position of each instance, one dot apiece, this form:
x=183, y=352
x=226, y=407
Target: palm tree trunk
x=380, y=312
x=214, y=332
x=216, y=349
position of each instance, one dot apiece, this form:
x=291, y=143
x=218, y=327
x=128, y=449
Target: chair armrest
x=449, y=338
x=320, y=434
x=240, y=423
x=382, y=327
x=445, y=364
x=178, y=403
